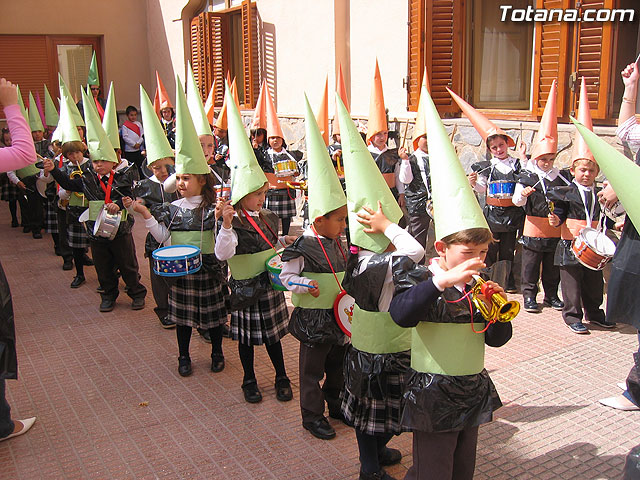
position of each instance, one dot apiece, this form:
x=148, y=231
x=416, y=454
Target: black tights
x=286, y=223
x=13, y=208
x=245, y=352
x=78, y=259
x=183, y=334
x=370, y=448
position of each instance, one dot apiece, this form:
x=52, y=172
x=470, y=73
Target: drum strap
x=107, y=189
x=313, y=229
x=259, y=230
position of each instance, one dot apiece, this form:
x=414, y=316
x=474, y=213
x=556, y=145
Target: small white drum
x=274, y=268
x=593, y=248
x=106, y=225
x=176, y=260
x=286, y=168
x=223, y=191
x=343, y=311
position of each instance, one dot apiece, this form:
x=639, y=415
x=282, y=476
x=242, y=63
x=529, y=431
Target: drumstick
x=301, y=285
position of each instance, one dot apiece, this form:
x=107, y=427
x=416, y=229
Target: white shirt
x=159, y=231
x=405, y=245
x=405, y=175
x=503, y=166
x=131, y=138
x=629, y=132
x=396, y=171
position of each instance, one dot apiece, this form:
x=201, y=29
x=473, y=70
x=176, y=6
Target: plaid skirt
x=372, y=402
x=282, y=202
x=77, y=235
x=198, y=300
x=264, y=322
x=8, y=191
x=50, y=216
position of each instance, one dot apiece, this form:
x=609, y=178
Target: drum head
x=599, y=242
x=343, y=311
x=275, y=262
x=175, y=251
x=98, y=222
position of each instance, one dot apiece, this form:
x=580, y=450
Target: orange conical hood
x=163, y=96
x=377, y=116
x=482, y=124
x=322, y=118
x=273, y=125
x=580, y=148
x=342, y=92
x=260, y=113
x=234, y=92
x=546, y=140
x=420, y=128
x=210, y=104
x=156, y=103
x=221, y=121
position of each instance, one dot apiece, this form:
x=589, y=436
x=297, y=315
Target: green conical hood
x=50, y=113
x=21, y=104
x=110, y=119
x=455, y=207
x=365, y=184
x=154, y=137
x=325, y=191
x=246, y=174
x=622, y=173
x=100, y=147
x=86, y=92
x=93, y=78
x=64, y=92
x=35, y=122
x=67, y=130
x=189, y=155
x=196, y=108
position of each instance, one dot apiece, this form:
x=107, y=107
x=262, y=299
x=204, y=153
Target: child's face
x=207, y=144
x=189, y=185
x=422, y=143
x=332, y=225
x=379, y=140
x=159, y=169
x=254, y=201
x=37, y=135
x=585, y=173
x=167, y=114
x=257, y=139
x=275, y=143
x=102, y=167
x=132, y=116
x=454, y=254
x=545, y=162
x=81, y=133
x=219, y=132
x=337, y=138
x=55, y=148
x=74, y=157
x=498, y=148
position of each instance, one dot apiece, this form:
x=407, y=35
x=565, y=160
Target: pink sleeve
x=22, y=152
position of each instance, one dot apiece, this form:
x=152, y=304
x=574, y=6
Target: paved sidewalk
x=111, y=405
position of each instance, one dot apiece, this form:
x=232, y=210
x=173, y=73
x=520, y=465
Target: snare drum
x=274, y=267
x=223, y=191
x=592, y=248
x=285, y=168
x=343, y=311
x=500, y=193
x=106, y=225
x=176, y=260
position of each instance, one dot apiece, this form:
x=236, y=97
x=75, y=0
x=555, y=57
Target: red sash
x=107, y=189
x=133, y=127
x=100, y=109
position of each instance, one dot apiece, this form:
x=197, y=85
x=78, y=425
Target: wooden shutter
x=550, y=58
x=250, y=63
x=592, y=56
x=416, y=41
x=444, y=28
x=208, y=32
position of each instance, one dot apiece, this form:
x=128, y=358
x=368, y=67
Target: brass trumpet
x=501, y=310
x=75, y=174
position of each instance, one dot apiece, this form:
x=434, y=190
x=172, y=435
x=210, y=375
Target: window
x=228, y=41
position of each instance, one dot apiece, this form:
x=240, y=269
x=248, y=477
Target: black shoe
x=67, y=265
x=166, y=323
x=184, y=366
x=14, y=223
x=26, y=229
x=36, y=234
x=86, y=260
x=251, y=392
x=77, y=281
x=389, y=456
x=381, y=475
x=283, y=389
x=204, y=335
x=107, y=305
x=320, y=429
x=57, y=251
x=603, y=323
x=554, y=303
x=217, y=362
x=100, y=289
x=137, y=303
x=579, y=328
x=511, y=289
x=531, y=306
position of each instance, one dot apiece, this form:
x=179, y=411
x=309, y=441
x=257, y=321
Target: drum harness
x=327, y=256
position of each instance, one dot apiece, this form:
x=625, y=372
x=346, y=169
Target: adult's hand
x=8, y=93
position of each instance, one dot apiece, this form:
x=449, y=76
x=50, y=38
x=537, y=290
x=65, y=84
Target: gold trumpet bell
x=501, y=310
